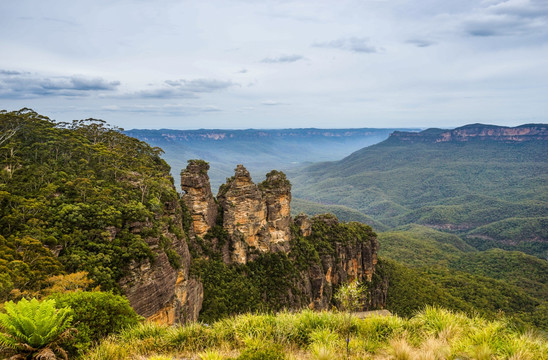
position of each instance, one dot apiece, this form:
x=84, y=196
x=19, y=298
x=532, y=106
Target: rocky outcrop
x=244, y=215
x=476, y=132
x=157, y=290
x=257, y=220
x=256, y=217
x=198, y=197
x=353, y=257
x=276, y=191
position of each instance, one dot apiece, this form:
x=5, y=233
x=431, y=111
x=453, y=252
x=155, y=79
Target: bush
x=268, y=352
x=96, y=315
x=34, y=329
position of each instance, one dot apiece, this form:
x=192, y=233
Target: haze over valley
x=260, y=150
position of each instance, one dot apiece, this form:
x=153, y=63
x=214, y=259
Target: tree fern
x=34, y=328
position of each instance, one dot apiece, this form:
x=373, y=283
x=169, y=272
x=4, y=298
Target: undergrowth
x=433, y=333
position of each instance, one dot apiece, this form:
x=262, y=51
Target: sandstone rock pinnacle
x=198, y=197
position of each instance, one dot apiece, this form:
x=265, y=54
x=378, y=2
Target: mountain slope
x=460, y=180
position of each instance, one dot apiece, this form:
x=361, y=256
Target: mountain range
x=485, y=183
x=260, y=150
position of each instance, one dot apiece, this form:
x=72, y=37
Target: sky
x=237, y=64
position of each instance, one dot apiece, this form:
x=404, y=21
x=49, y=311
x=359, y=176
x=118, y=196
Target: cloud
x=163, y=109
x=526, y=9
x=187, y=89
x=509, y=18
x=283, y=59
x=354, y=44
x=9, y=72
x=271, y=103
x=15, y=84
x=420, y=42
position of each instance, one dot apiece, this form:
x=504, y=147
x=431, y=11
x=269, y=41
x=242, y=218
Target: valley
x=259, y=150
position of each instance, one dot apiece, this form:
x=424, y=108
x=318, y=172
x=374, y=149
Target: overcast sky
x=277, y=64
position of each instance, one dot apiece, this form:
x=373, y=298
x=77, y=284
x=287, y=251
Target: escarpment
x=254, y=223
x=162, y=290
x=476, y=132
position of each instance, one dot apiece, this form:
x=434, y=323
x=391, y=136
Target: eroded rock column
x=198, y=197
x=276, y=191
x=244, y=214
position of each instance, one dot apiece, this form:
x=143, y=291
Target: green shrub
x=265, y=352
x=34, y=328
x=96, y=314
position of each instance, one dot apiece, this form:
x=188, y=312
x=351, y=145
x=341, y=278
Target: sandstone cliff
x=476, y=132
x=158, y=290
x=256, y=220
x=198, y=197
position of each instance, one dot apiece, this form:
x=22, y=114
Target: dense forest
x=70, y=194
x=492, y=193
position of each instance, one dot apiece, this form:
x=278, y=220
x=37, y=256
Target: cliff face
x=257, y=220
x=473, y=132
x=244, y=215
x=157, y=290
x=350, y=259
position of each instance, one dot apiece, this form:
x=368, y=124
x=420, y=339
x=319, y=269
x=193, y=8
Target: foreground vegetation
x=433, y=333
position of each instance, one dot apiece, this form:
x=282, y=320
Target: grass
x=432, y=334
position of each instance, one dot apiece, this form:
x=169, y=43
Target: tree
x=350, y=298
x=96, y=314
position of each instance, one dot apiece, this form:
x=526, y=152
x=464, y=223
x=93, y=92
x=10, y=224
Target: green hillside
x=495, y=190
x=73, y=197
x=342, y=212
x=426, y=266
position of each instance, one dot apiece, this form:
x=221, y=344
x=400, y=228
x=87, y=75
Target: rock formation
x=198, y=197
x=257, y=220
x=244, y=215
x=158, y=291
x=353, y=259
x=276, y=190
x=478, y=132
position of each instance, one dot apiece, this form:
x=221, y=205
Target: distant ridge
x=227, y=134
x=527, y=132
x=488, y=184
x=260, y=149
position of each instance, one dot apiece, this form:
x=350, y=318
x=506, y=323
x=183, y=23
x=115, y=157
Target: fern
x=34, y=328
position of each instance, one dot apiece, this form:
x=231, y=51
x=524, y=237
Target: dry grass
x=434, y=334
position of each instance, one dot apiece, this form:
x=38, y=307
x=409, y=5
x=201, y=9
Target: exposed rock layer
x=198, y=197
x=479, y=132
x=257, y=220
x=157, y=290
